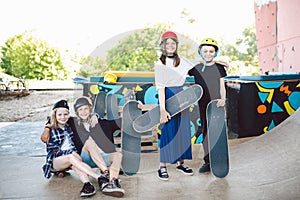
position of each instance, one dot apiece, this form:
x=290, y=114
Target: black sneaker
x=114, y=189
x=103, y=182
x=163, y=174
x=106, y=174
x=87, y=190
x=184, y=169
x=205, y=168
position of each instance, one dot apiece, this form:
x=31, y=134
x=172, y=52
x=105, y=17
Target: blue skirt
x=175, y=139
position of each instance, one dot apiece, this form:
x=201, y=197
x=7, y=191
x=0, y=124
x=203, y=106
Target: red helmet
x=169, y=34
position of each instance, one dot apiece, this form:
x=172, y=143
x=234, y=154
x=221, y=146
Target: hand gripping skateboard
x=174, y=105
x=217, y=137
x=131, y=140
x=99, y=104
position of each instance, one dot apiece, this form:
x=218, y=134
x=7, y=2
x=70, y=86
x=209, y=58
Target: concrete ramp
x=268, y=167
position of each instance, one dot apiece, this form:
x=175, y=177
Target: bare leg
x=83, y=176
x=91, y=148
x=162, y=164
x=115, y=159
x=65, y=161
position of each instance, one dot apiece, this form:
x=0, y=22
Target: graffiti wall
x=258, y=104
x=255, y=104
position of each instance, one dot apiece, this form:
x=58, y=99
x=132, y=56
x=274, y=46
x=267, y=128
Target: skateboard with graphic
x=100, y=104
x=218, y=141
x=174, y=105
x=131, y=140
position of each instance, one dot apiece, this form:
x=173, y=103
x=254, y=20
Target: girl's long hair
x=54, y=123
x=176, y=59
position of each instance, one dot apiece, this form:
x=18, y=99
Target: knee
x=73, y=157
x=87, y=142
x=119, y=155
x=90, y=143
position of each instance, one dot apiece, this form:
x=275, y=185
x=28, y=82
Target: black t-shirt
x=103, y=131
x=209, y=79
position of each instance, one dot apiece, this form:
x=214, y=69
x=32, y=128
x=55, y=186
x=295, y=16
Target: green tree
x=26, y=55
x=243, y=54
x=91, y=66
x=139, y=51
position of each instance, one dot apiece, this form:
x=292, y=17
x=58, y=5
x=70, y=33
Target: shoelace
x=185, y=166
x=163, y=171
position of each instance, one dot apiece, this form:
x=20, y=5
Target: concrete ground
x=264, y=167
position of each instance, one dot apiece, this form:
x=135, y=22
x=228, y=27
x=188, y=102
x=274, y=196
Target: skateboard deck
x=112, y=107
x=100, y=104
x=217, y=137
x=174, y=105
x=131, y=140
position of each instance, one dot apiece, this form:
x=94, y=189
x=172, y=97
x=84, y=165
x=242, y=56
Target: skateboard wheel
x=61, y=174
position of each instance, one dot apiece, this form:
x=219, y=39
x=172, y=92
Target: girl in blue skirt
x=175, y=139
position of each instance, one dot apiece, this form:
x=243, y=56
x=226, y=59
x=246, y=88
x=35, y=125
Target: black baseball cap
x=61, y=104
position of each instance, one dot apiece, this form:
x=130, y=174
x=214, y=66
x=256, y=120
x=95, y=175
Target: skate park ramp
x=263, y=167
x=268, y=167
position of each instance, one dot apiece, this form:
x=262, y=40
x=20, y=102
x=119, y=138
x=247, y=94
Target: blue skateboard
x=174, y=105
x=131, y=140
x=217, y=137
x=100, y=104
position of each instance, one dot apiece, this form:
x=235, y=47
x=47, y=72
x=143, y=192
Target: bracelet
x=48, y=127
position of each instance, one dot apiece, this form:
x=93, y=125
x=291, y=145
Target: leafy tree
x=91, y=66
x=243, y=55
x=139, y=51
x=136, y=52
x=26, y=55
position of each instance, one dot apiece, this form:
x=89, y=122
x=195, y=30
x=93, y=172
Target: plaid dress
x=57, y=138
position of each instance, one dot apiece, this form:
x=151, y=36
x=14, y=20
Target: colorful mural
x=282, y=98
x=263, y=104
x=255, y=104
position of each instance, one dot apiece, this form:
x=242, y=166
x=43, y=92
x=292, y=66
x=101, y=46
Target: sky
x=81, y=26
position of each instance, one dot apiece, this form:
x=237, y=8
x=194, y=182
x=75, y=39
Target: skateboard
x=217, y=137
x=174, y=105
x=112, y=107
x=99, y=104
x=131, y=140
